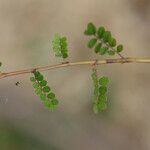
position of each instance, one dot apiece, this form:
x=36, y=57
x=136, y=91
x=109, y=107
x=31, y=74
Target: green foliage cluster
x=60, y=46
x=103, y=42
x=100, y=92
x=43, y=90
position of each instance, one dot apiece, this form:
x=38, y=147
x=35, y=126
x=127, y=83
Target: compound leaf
x=60, y=46
x=107, y=43
x=96, y=90
x=43, y=90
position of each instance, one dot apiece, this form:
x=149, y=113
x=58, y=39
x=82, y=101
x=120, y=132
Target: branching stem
x=67, y=64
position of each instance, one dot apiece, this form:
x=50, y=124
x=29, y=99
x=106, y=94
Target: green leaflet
x=51, y=95
x=104, y=81
x=100, y=92
x=100, y=32
x=103, y=50
x=110, y=52
x=119, y=48
x=106, y=36
x=92, y=43
x=107, y=44
x=43, y=83
x=0, y=64
x=60, y=46
x=102, y=106
x=91, y=29
x=32, y=79
x=98, y=47
x=44, y=91
x=112, y=42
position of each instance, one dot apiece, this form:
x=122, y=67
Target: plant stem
x=67, y=64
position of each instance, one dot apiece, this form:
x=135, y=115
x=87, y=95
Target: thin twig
x=64, y=64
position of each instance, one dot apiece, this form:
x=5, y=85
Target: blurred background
x=26, y=31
